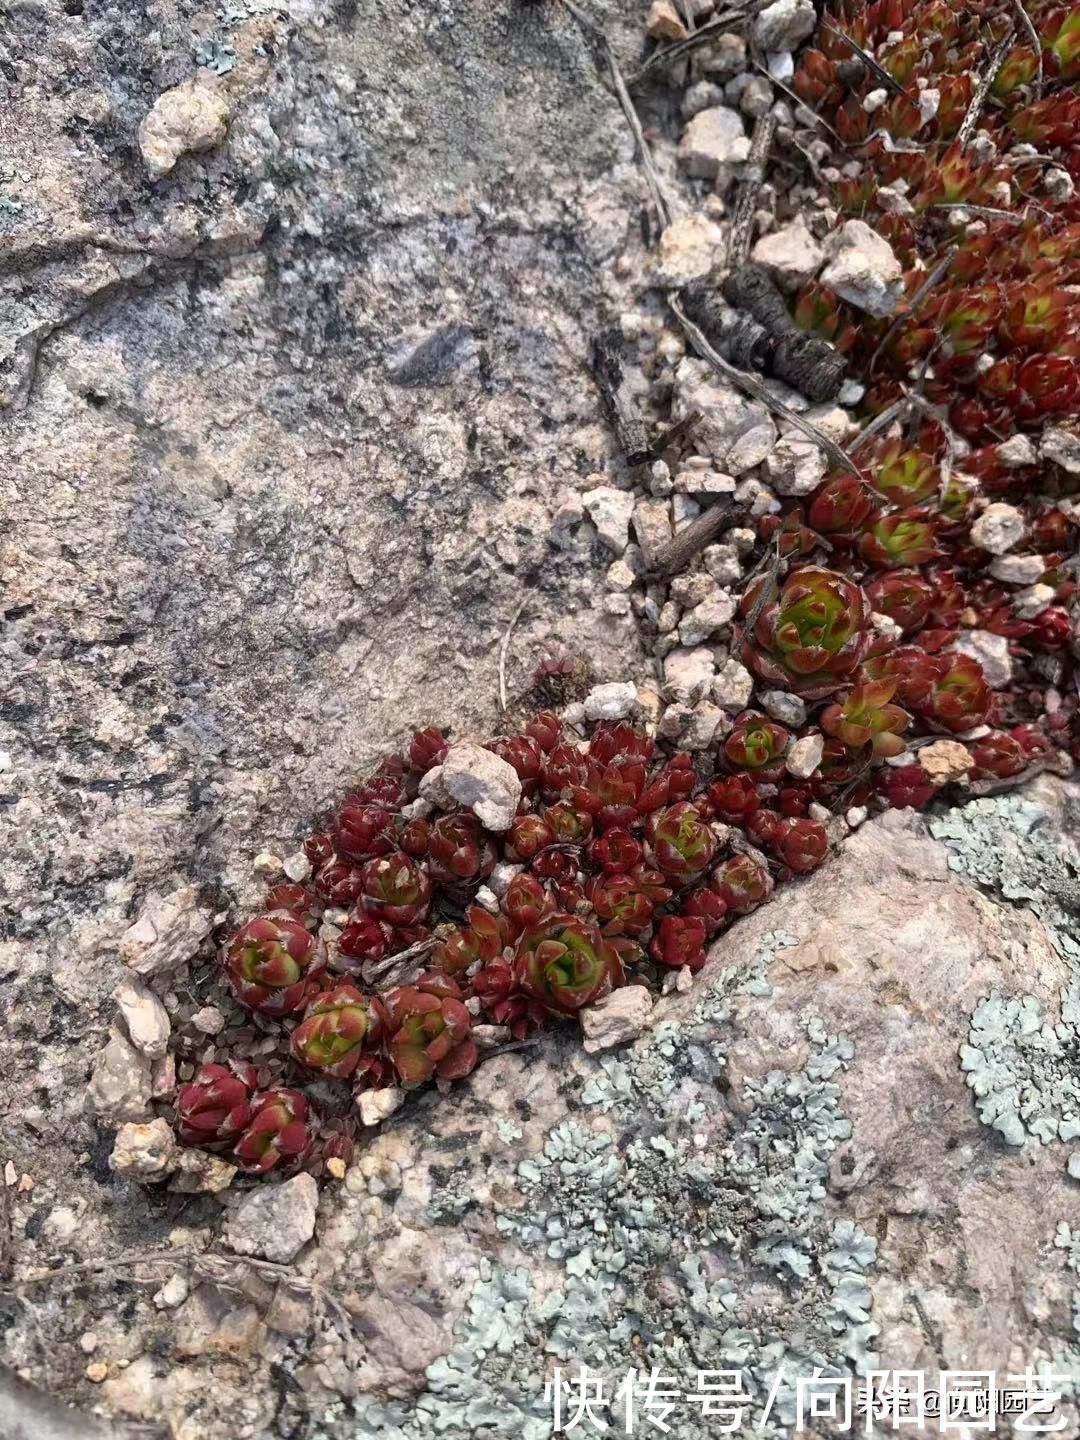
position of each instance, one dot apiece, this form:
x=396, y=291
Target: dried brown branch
x=982, y=90
x=879, y=423
x=674, y=435
x=607, y=368
x=504, y=646
x=935, y=276
x=799, y=101
x=607, y=53
x=675, y=556
x=742, y=221
x=751, y=385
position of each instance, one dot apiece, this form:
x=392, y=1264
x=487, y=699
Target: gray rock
x=688, y=674
x=788, y=709
x=791, y=253
x=274, y=1222
x=1062, y=447
x=613, y=701
x=617, y=1019
x=144, y=1152
x=992, y=653
x=652, y=526
x=1018, y=569
x=1017, y=451
x=862, y=269
x=804, y=756
x=483, y=782
x=186, y=119
x=723, y=563
x=733, y=687
x=168, y=932
x=714, y=138
x=610, y=511
x=751, y=448
x=700, y=96
x=784, y=24
x=146, y=1019
x=120, y=1086
x=707, y=619
x=726, y=414
x=795, y=467
x=999, y=528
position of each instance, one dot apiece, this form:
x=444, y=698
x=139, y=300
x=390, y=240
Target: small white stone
x=791, y=253
x=173, y=1293
x=297, y=867
x=613, y=701
x=999, y=528
x=688, y=250
x=707, y=619
x=144, y=1152
x=483, y=782
x=733, y=687
x=487, y=899
x=992, y=653
x=715, y=137
x=684, y=980
x=1029, y=603
x=267, y=866
x=875, y=100
x=856, y=815
x=610, y=511
x=795, y=467
x=617, y=1018
x=1018, y=569
x=274, y=1222
x=500, y=877
x=788, y=709
x=375, y=1106
x=1062, y=447
x=209, y=1020
x=945, y=761
x=663, y=21
x=145, y=1017
x=723, y=564
x=1017, y=451
x=804, y=756
x=784, y=25
x=751, y=448
x=863, y=269
x=688, y=674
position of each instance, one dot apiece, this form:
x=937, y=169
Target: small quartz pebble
x=96, y=1371
x=945, y=760
x=209, y=1020
x=88, y=1342
x=616, y=1019
x=478, y=779
x=791, y=253
x=999, y=528
x=663, y=21
x=788, y=709
x=267, y=866
x=274, y=1222
x=1017, y=451
x=375, y=1106
x=613, y=701
x=804, y=756
x=856, y=815
x=863, y=269
x=1018, y=569
x=173, y=1293
x=733, y=687
x=610, y=511
x=145, y=1017
x=297, y=867
x=992, y=653
x=144, y=1152
x=336, y=1167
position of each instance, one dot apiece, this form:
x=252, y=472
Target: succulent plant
x=620, y=904
x=905, y=596
x=801, y=844
x=616, y=851
x=679, y=940
x=865, y=716
x=731, y=799
x=279, y=1131
x=741, y=883
x=902, y=786
x=361, y=831
x=901, y=539
x=682, y=842
x=396, y=889
x=214, y=1108
x=564, y=963
x=427, y=1029
x=271, y=961
x=459, y=851
x=812, y=636
x=756, y=746
x=336, y=1026
x=997, y=756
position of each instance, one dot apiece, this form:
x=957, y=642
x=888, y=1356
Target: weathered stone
x=804, y=756
x=945, y=760
x=862, y=269
x=144, y=1152
x=688, y=673
x=713, y=138
x=481, y=781
x=188, y=118
x=784, y=24
x=613, y=701
x=198, y=1173
x=610, y=511
x=992, y=653
x=146, y=1019
x=792, y=254
x=119, y=1087
x=618, y=1018
x=274, y=1222
x=688, y=250
x=999, y=528
x=375, y=1106
x=167, y=933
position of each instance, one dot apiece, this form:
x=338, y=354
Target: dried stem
x=716, y=26
x=936, y=274
x=619, y=398
x=504, y=646
x=868, y=60
x=742, y=223
x=1036, y=43
x=675, y=556
x=982, y=90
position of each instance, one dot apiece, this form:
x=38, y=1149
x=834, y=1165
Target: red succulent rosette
x=271, y=961
x=865, y=717
x=801, y=844
x=997, y=756
x=459, y=851
x=564, y=963
x=427, y=748
x=335, y=1028
x=361, y=831
x=682, y=842
x=280, y=1131
x=427, y=1028
x=396, y=889
x=708, y=906
x=731, y=799
x=812, y=636
x=616, y=851
x=903, y=786
x=679, y=940
x=741, y=883
x=214, y=1107
x=620, y=904
x=756, y=745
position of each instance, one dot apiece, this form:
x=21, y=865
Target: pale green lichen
x=698, y=1239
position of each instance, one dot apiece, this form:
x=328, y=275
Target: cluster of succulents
x=624, y=861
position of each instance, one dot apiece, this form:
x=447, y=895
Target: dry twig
x=716, y=26
x=673, y=558
x=504, y=646
x=867, y=59
x=935, y=275
x=982, y=90
x=742, y=221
